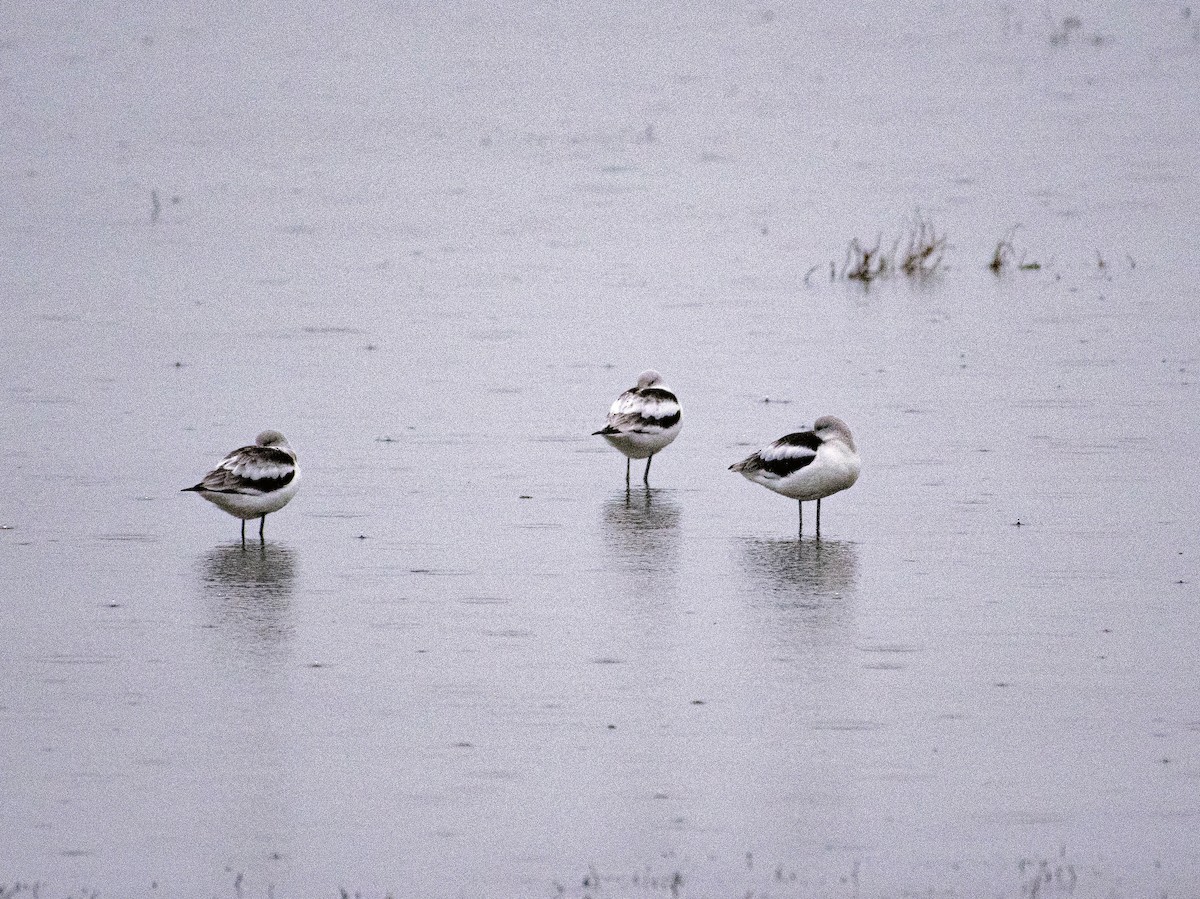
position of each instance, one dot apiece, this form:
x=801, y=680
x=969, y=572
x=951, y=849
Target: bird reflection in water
x=816, y=579
x=248, y=593
x=641, y=529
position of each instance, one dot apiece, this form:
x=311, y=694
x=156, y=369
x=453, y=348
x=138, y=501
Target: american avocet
x=253, y=481
x=807, y=465
x=642, y=421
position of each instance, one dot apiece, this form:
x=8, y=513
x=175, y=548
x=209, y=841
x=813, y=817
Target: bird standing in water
x=807, y=465
x=642, y=421
x=253, y=481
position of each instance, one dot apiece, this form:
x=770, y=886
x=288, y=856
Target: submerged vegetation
x=925, y=248
x=862, y=264
x=1005, y=255
x=917, y=252
x=920, y=251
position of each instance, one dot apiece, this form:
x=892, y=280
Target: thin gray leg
x=646, y=476
x=800, y=503
x=262, y=523
x=243, y=533
x=818, y=519
x=628, y=462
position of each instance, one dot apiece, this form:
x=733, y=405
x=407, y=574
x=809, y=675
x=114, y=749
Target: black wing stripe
x=258, y=485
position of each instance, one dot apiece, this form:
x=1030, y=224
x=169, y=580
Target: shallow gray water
x=431, y=245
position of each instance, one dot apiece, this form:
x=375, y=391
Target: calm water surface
x=431, y=245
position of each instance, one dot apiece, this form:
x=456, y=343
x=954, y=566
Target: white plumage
x=253, y=481
x=807, y=465
x=643, y=420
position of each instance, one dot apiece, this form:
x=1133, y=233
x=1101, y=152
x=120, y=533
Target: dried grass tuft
x=919, y=252
x=1005, y=255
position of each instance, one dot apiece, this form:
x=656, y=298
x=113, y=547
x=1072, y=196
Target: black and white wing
x=253, y=470
x=643, y=410
x=784, y=457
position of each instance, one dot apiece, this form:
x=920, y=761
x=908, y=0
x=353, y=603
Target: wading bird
x=642, y=421
x=253, y=481
x=810, y=464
